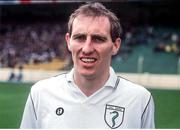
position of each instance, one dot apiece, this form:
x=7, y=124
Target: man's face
x=91, y=45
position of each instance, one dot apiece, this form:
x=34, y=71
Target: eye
x=79, y=37
x=98, y=39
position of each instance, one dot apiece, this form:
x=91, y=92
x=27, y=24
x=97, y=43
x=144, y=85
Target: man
x=91, y=95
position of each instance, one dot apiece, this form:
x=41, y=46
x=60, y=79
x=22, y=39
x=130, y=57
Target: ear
x=116, y=46
x=67, y=37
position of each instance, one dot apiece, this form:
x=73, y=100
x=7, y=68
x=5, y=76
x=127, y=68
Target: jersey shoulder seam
x=33, y=106
x=146, y=106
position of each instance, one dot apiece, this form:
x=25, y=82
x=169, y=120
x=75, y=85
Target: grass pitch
x=13, y=97
x=167, y=108
x=12, y=100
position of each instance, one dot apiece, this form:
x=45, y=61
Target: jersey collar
x=111, y=82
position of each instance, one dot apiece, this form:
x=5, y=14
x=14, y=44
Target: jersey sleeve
x=29, y=118
x=148, y=115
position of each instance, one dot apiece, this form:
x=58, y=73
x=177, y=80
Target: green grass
x=167, y=108
x=12, y=100
x=13, y=97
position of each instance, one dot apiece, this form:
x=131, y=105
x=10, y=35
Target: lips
x=88, y=59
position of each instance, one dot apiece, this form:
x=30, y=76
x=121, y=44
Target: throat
x=89, y=86
x=90, y=89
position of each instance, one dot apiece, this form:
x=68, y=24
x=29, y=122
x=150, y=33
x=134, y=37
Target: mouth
x=88, y=60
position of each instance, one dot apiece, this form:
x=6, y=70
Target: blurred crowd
x=160, y=39
x=31, y=43
x=41, y=42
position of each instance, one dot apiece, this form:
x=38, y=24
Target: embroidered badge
x=114, y=116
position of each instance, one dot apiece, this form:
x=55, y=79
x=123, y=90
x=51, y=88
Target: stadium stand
x=32, y=35
x=34, y=43
x=160, y=51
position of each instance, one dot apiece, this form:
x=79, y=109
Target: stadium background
x=32, y=47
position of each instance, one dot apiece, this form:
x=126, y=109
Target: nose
x=88, y=47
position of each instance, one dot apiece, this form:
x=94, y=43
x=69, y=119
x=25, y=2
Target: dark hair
x=96, y=9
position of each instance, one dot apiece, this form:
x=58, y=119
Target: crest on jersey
x=114, y=116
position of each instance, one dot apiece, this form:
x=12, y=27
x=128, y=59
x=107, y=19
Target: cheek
x=106, y=51
x=74, y=49
x=72, y=46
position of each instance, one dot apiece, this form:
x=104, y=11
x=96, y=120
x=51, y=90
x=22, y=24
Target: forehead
x=86, y=24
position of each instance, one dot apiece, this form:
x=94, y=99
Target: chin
x=88, y=74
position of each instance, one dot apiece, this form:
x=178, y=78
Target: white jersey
x=58, y=103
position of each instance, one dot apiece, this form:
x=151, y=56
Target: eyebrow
x=99, y=36
x=77, y=35
x=96, y=36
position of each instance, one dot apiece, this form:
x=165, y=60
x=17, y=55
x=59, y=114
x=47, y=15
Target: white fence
x=145, y=79
x=155, y=80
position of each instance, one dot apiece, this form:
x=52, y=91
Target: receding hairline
x=93, y=18
x=96, y=9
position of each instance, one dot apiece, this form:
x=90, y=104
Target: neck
x=89, y=85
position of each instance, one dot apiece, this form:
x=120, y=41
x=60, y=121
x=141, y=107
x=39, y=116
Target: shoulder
x=134, y=90
x=49, y=83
